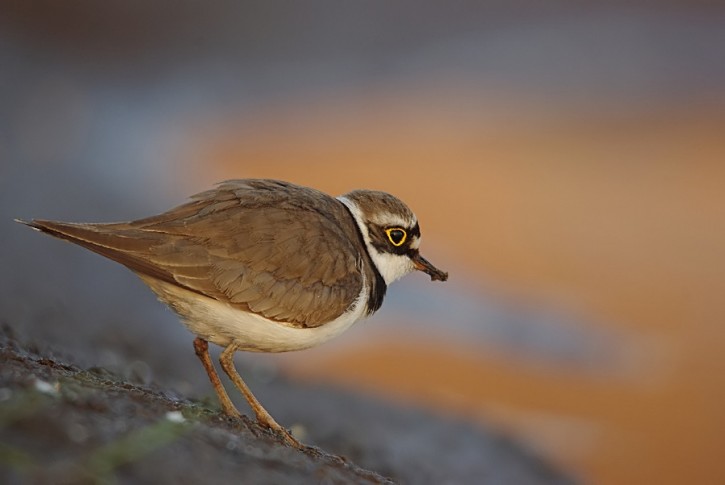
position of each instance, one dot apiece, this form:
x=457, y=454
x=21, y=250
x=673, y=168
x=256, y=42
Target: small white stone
x=46, y=387
x=175, y=417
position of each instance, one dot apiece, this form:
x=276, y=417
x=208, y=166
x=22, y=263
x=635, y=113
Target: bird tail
x=115, y=241
x=96, y=237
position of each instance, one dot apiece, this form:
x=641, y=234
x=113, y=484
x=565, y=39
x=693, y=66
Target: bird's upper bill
x=422, y=264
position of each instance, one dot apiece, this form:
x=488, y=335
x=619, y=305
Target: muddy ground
x=60, y=423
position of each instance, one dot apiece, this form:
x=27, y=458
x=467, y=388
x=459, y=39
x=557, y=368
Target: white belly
x=222, y=324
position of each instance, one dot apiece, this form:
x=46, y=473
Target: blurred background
x=566, y=161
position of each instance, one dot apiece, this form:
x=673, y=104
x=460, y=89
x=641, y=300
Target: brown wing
x=277, y=249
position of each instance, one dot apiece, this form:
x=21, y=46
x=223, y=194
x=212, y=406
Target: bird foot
x=286, y=436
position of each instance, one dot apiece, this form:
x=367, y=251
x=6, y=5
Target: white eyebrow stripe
x=393, y=220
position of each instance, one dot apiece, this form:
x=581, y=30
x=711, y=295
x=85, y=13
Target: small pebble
x=46, y=387
x=175, y=417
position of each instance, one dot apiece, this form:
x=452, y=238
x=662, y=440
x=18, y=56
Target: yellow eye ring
x=396, y=236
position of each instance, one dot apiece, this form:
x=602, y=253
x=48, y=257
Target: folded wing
x=269, y=247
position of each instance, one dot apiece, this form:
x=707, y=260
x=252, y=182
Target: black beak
x=421, y=264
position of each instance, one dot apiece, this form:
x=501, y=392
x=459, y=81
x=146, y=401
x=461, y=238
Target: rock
x=63, y=424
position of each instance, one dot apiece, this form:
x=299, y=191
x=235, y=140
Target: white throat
x=391, y=266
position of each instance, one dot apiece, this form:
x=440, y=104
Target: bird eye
x=396, y=236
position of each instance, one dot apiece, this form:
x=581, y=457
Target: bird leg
x=201, y=347
x=263, y=417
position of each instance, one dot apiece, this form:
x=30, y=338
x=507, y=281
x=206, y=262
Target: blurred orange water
x=618, y=217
